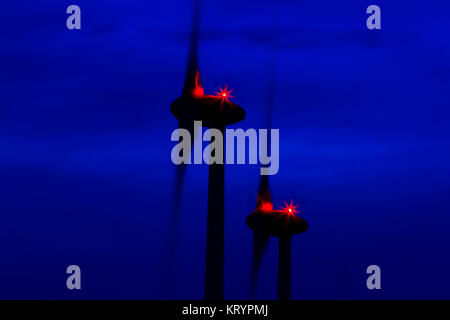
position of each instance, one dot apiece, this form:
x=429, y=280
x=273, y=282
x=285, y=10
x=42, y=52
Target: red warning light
x=198, y=91
x=290, y=208
x=224, y=93
x=266, y=206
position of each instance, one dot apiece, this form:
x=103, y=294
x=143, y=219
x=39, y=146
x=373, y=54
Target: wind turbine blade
x=260, y=243
x=190, y=79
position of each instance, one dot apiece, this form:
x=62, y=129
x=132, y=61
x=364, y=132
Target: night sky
x=86, y=176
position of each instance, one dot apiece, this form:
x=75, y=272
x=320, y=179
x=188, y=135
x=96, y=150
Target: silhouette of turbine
x=215, y=112
x=283, y=224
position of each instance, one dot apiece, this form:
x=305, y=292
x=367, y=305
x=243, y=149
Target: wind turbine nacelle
x=213, y=111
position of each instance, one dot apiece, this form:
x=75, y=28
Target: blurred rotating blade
x=191, y=80
x=260, y=241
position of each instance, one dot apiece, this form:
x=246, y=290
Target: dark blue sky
x=85, y=169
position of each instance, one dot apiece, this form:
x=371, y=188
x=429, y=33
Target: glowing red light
x=224, y=93
x=266, y=206
x=290, y=208
x=198, y=91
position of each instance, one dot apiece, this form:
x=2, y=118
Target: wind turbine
x=216, y=112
